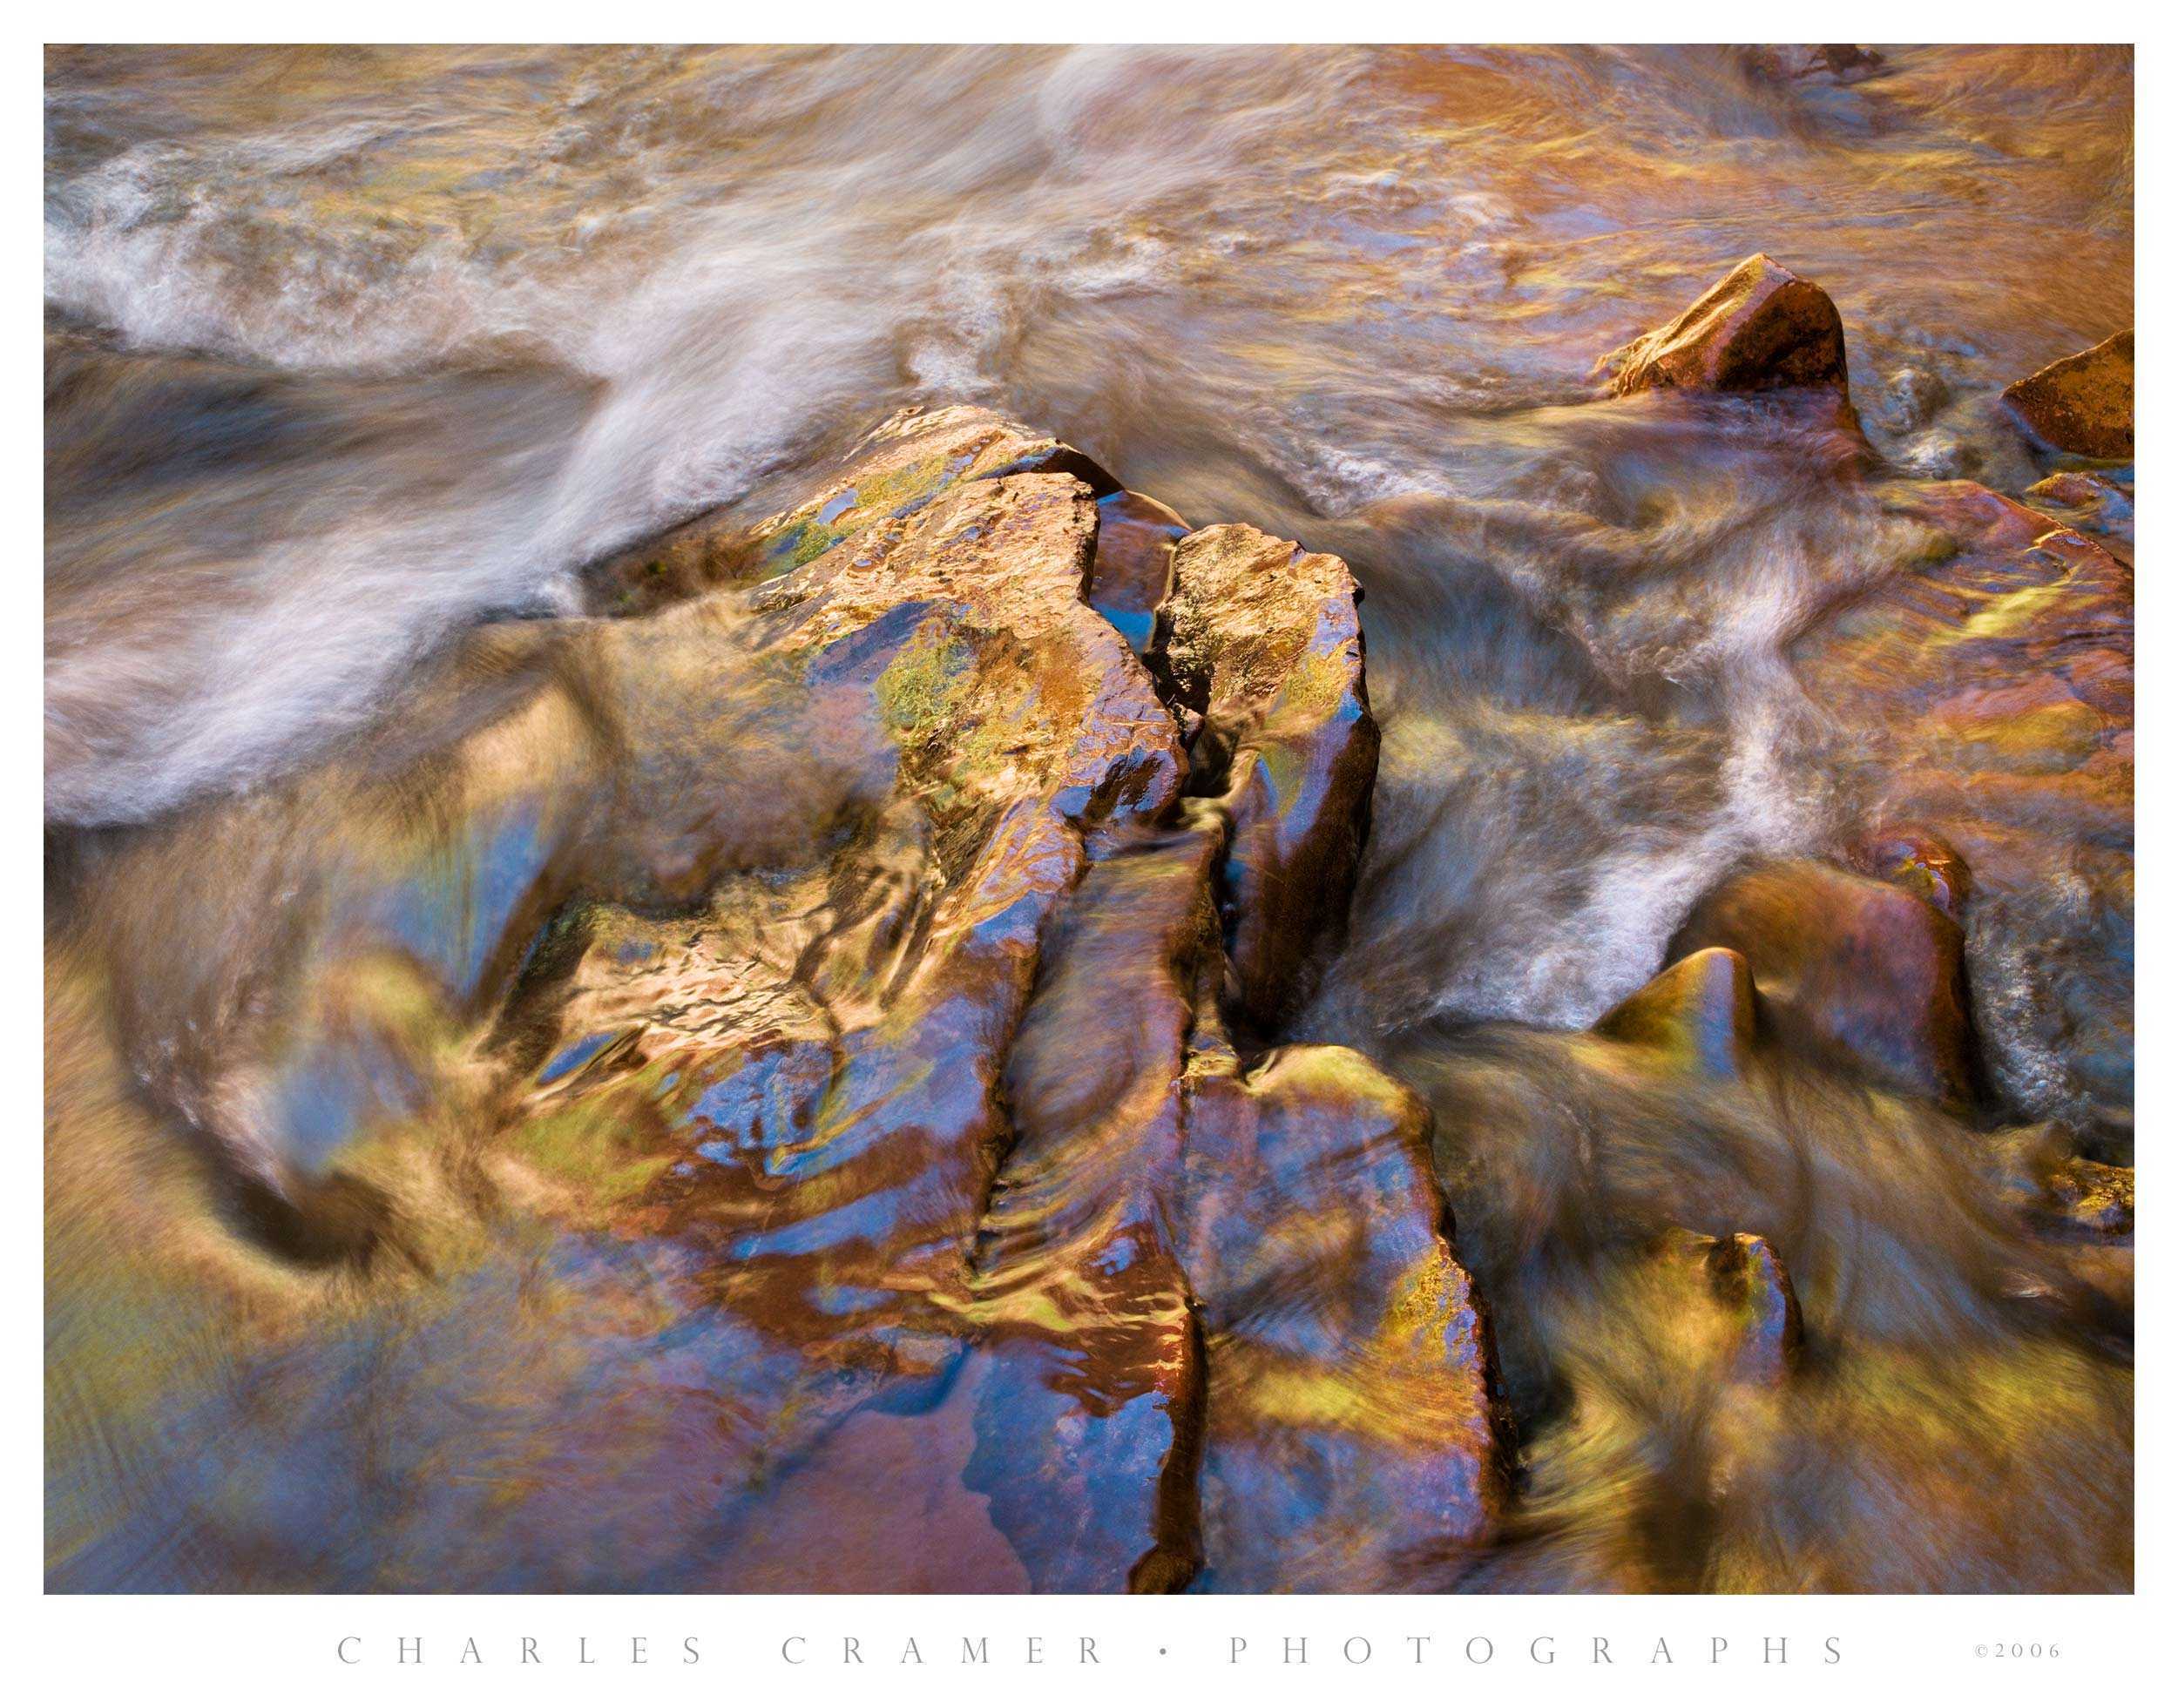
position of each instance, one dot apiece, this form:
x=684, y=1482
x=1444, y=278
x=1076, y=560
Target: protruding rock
x=2081, y=1208
x=1759, y=329
x=832, y=949
x=1867, y=974
x=1699, y=1011
x=1920, y=860
x=2045, y=1175
x=2092, y=502
x=1265, y=643
x=897, y=468
x=1741, y=1317
x=1911, y=397
x=2082, y=403
x=1350, y=1436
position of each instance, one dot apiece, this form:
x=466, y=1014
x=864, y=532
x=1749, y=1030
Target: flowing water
x=350, y=352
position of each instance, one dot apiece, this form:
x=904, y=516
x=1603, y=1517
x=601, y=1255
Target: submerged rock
x=1919, y=861
x=1739, y=1314
x=1771, y=1330
x=1911, y=397
x=2081, y=403
x=2073, y=1195
x=1761, y=327
x=1983, y=692
x=2092, y=502
x=1844, y=62
x=842, y=951
x=1859, y=971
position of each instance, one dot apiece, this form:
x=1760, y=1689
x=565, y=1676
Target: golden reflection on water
x=350, y=351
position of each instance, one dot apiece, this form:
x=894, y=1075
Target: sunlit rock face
x=826, y=975
x=1761, y=327
x=1264, y=643
x=2082, y=403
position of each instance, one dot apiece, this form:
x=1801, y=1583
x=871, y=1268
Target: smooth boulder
x=1861, y=973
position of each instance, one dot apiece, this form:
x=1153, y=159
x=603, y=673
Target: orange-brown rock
x=901, y=465
x=1863, y=974
x=1698, y=1013
x=1761, y=327
x=1264, y=642
x=1351, y=1439
x=1846, y=61
x=813, y=988
x=1985, y=690
x=2081, y=403
x=2077, y=498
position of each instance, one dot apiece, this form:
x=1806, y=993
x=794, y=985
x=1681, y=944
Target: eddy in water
x=1012, y=819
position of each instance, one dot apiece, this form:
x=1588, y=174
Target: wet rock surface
x=802, y=1078
x=791, y=1054
x=1849, y=966
x=1761, y=327
x=1987, y=693
x=1844, y=62
x=2081, y=403
x=1265, y=646
x=1730, y=1306
x=1768, y=1203
x=992, y=1262
x=2095, y=502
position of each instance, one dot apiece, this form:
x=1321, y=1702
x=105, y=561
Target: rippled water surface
x=350, y=352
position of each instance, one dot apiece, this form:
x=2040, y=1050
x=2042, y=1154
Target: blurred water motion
x=356, y=360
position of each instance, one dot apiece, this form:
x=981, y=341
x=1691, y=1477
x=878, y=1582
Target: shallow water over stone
x=649, y=989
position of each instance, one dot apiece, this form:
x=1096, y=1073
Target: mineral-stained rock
x=2082, y=403
x=1985, y=693
x=1862, y=972
x=1759, y=329
x=825, y=971
x=1265, y=644
x=896, y=468
x=2094, y=502
x=1350, y=1436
